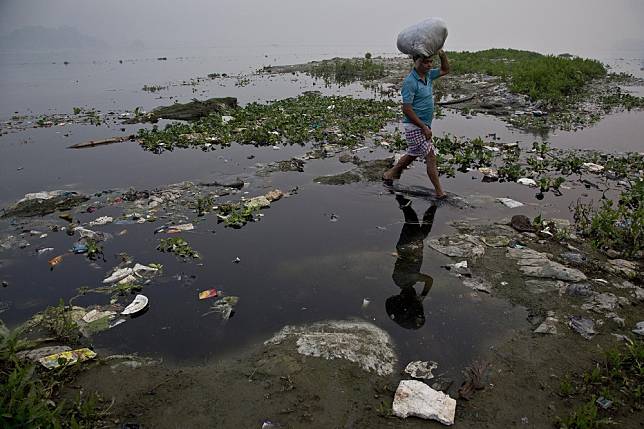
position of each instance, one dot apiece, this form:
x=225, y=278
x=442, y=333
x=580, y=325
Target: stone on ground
x=415, y=398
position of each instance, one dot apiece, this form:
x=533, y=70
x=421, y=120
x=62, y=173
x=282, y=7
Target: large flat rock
x=356, y=341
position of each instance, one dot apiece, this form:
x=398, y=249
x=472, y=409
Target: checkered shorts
x=417, y=144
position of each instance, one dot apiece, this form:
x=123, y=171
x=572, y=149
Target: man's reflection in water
x=406, y=308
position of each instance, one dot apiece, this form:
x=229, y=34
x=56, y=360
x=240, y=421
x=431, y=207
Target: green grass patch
x=28, y=394
x=610, y=391
x=553, y=79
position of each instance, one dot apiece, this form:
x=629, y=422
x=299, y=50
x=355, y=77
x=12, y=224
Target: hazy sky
x=544, y=25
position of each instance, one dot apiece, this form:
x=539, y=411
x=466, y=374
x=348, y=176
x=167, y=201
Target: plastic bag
x=424, y=38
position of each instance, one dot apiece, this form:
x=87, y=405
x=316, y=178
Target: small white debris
x=141, y=269
x=118, y=274
x=225, y=119
x=420, y=369
x=527, y=182
x=101, y=221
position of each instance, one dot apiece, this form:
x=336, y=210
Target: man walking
x=418, y=108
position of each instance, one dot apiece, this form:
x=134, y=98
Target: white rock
x=509, y=202
x=591, y=167
x=415, y=398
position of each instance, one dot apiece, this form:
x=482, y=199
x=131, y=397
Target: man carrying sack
x=418, y=98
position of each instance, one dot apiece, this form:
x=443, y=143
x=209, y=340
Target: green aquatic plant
x=236, y=215
x=203, y=205
x=178, y=246
x=58, y=320
x=307, y=118
x=511, y=171
x=614, y=225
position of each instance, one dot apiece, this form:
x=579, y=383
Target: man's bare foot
x=441, y=196
x=389, y=176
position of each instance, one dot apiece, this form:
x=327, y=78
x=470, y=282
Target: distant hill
x=42, y=38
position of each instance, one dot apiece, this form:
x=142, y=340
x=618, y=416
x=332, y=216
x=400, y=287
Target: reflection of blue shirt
x=420, y=95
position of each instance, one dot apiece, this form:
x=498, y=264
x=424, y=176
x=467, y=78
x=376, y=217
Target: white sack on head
x=424, y=38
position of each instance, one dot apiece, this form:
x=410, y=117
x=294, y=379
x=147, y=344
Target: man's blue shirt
x=420, y=95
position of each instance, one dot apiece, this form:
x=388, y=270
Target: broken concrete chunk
x=548, y=326
x=602, y=302
x=477, y=284
x=420, y=369
x=509, y=202
x=583, y=326
x=545, y=286
x=415, y=398
x=459, y=246
x=537, y=264
x=639, y=328
x=619, y=321
x=638, y=294
x=623, y=267
x=579, y=289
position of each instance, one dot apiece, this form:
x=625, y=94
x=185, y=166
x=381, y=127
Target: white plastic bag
x=424, y=38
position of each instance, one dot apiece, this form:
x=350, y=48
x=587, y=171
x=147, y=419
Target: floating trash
x=136, y=306
x=67, y=358
x=55, y=261
x=179, y=228
x=210, y=293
